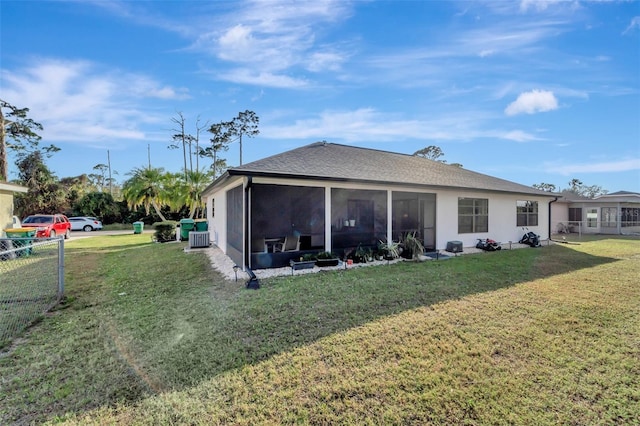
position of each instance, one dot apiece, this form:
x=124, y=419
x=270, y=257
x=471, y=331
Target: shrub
x=326, y=255
x=165, y=231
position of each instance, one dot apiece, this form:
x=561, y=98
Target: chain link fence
x=31, y=282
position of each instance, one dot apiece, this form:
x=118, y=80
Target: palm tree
x=146, y=188
x=191, y=191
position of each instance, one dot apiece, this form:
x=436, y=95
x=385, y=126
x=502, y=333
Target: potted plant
x=413, y=248
x=326, y=259
x=362, y=254
x=307, y=261
x=389, y=249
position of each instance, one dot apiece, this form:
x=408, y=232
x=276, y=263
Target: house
x=615, y=213
x=6, y=204
x=331, y=197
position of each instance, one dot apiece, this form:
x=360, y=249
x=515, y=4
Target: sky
x=528, y=91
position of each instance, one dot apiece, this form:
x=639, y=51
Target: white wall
x=6, y=211
x=559, y=214
x=218, y=219
x=502, y=218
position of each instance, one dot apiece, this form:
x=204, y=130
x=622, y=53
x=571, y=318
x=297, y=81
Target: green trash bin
x=23, y=238
x=186, y=226
x=138, y=227
x=202, y=225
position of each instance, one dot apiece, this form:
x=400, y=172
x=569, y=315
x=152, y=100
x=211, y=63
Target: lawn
x=151, y=335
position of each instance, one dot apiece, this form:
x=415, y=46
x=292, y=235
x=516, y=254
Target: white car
x=85, y=223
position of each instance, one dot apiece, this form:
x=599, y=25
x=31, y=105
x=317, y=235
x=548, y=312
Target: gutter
x=551, y=202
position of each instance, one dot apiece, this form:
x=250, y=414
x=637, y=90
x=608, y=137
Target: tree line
x=149, y=193
x=575, y=187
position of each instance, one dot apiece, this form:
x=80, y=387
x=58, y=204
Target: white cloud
x=78, y=101
x=538, y=5
x=322, y=61
x=532, y=102
x=519, y=136
x=371, y=125
x=601, y=167
x=274, y=36
x=364, y=124
x=262, y=78
x=634, y=25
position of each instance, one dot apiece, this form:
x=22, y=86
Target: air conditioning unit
x=454, y=246
x=198, y=239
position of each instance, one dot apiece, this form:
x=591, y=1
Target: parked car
x=85, y=223
x=48, y=225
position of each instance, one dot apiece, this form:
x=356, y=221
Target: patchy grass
x=150, y=335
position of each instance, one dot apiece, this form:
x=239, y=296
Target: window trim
x=592, y=217
x=527, y=210
x=479, y=215
x=609, y=217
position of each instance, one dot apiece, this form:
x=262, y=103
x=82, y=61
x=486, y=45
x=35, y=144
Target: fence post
x=60, y=268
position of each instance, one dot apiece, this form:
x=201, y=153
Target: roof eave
x=277, y=175
x=12, y=187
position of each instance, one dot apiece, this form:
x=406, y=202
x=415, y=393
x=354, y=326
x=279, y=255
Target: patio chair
x=258, y=245
x=291, y=243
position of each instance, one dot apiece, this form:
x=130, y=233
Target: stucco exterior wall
x=6, y=211
x=559, y=215
x=7, y=192
x=217, y=213
x=502, y=218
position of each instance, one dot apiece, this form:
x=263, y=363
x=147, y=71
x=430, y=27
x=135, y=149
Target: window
x=575, y=214
x=592, y=218
x=473, y=215
x=527, y=213
x=629, y=216
x=609, y=217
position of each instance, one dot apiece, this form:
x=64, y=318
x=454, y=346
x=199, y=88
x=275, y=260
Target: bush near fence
x=31, y=282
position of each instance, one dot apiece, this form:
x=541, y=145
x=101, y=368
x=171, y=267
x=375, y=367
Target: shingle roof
x=329, y=161
x=619, y=197
x=620, y=193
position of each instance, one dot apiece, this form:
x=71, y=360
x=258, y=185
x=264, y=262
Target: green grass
x=151, y=335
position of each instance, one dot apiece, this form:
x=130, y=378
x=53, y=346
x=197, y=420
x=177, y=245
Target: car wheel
x=87, y=228
x=52, y=234
x=67, y=234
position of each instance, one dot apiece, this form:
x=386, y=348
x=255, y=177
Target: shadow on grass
x=298, y=310
x=166, y=326
x=236, y=327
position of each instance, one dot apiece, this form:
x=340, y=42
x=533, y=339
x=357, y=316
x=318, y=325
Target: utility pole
x=149, y=154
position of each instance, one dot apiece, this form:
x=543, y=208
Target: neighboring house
x=335, y=197
x=6, y=204
x=615, y=213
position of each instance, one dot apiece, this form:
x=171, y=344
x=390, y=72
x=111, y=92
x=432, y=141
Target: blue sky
x=529, y=91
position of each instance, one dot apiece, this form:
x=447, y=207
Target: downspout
x=551, y=202
x=253, y=282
